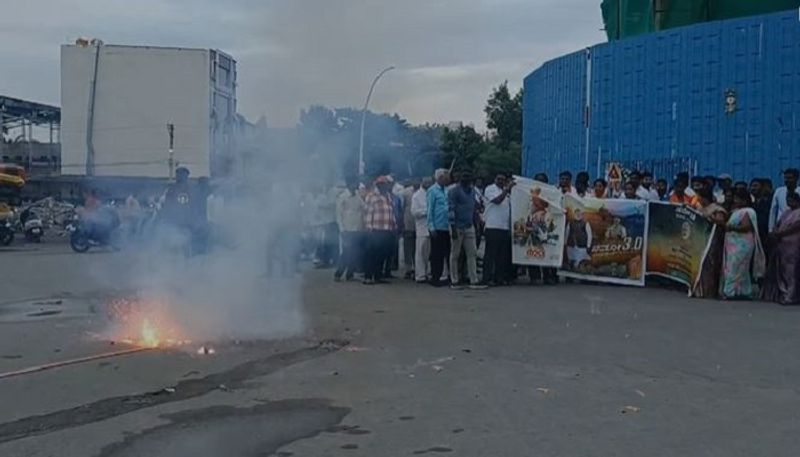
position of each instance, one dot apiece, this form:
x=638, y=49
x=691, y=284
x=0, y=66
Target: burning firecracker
x=144, y=323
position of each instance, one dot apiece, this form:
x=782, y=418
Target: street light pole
x=171, y=158
x=364, y=119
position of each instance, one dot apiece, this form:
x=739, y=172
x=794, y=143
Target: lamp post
x=364, y=119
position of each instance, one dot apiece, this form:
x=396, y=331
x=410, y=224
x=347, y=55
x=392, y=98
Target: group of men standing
x=442, y=223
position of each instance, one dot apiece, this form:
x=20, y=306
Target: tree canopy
x=393, y=145
x=500, y=149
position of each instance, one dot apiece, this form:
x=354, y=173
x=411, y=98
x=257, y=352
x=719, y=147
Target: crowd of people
x=442, y=223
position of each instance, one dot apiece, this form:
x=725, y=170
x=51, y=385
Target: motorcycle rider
x=99, y=221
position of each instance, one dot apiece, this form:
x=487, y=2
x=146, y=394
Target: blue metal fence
x=718, y=97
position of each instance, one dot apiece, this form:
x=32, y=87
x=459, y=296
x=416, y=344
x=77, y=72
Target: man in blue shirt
x=462, y=210
x=439, y=225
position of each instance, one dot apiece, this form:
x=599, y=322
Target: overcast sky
x=292, y=53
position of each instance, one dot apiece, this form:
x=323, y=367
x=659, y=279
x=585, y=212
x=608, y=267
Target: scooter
x=32, y=226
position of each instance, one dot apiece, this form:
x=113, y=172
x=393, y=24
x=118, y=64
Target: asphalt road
x=403, y=370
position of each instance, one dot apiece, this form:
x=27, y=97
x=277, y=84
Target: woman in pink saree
x=743, y=261
x=783, y=272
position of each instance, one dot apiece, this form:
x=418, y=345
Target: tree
x=504, y=116
x=391, y=144
x=500, y=150
x=497, y=160
x=462, y=147
x=318, y=120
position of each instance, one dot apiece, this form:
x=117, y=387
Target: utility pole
x=171, y=159
x=90, y=152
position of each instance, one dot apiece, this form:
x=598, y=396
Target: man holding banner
x=497, y=256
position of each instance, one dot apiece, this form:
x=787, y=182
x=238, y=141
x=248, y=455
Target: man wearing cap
x=462, y=219
x=381, y=225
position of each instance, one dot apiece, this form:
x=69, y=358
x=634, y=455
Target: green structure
x=627, y=18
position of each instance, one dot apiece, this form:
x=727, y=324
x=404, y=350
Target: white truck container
x=118, y=101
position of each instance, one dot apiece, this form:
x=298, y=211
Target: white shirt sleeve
x=492, y=192
x=773, y=211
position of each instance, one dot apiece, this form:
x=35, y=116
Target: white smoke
x=231, y=292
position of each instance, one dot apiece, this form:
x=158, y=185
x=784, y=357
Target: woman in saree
x=743, y=261
x=783, y=272
x=707, y=284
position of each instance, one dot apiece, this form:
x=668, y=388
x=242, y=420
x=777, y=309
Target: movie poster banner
x=676, y=242
x=538, y=223
x=606, y=240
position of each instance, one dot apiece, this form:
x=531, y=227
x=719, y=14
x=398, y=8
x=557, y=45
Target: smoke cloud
x=245, y=287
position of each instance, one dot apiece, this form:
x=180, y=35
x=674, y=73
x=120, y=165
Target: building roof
x=169, y=48
x=14, y=109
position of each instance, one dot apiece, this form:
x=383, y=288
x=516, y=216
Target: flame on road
x=149, y=335
x=144, y=323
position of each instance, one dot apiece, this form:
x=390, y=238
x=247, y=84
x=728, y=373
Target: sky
x=449, y=54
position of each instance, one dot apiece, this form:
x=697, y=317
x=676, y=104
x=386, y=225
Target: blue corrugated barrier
x=718, y=97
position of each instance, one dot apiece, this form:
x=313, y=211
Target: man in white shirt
x=419, y=210
x=779, y=205
x=565, y=184
x=724, y=182
x=646, y=191
x=350, y=218
x=497, y=256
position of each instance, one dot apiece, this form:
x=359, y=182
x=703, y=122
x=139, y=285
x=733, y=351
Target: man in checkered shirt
x=381, y=225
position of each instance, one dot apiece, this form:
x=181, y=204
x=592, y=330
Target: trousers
x=349, y=260
x=440, y=251
x=421, y=257
x=497, y=256
x=465, y=240
x=409, y=242
x=379, y=249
